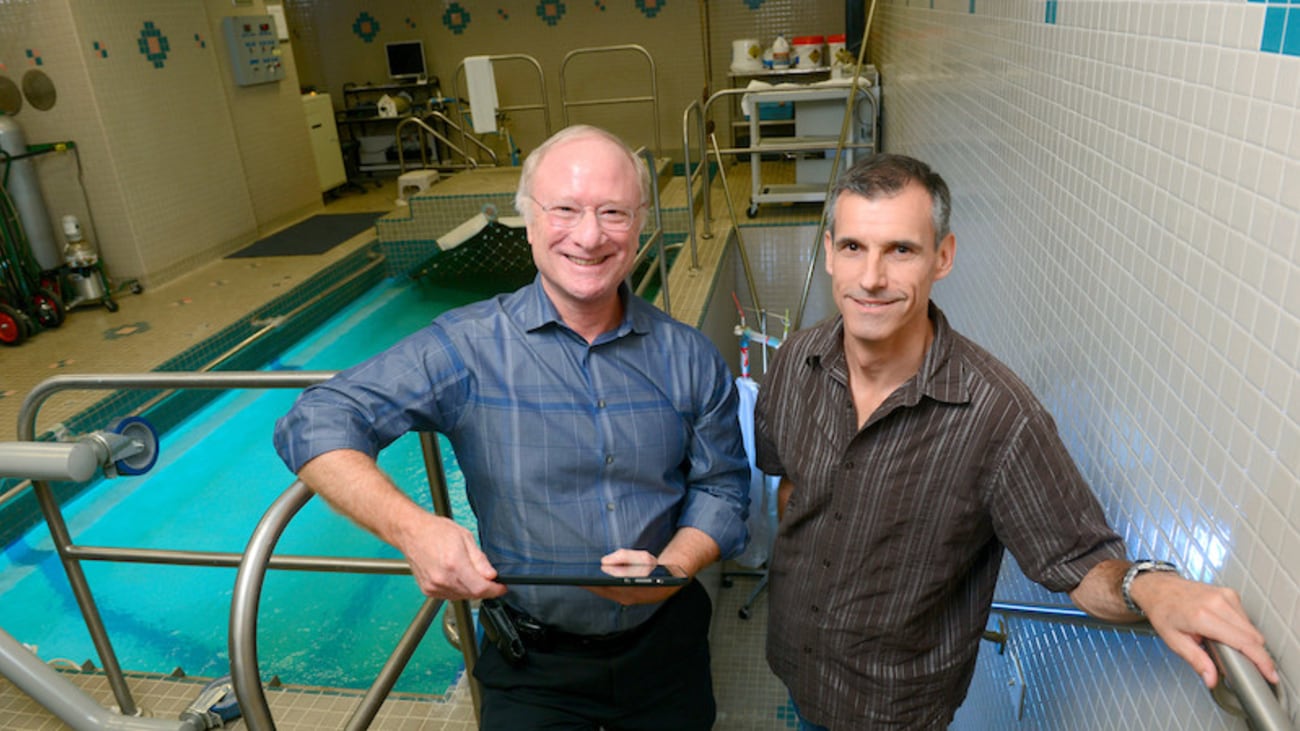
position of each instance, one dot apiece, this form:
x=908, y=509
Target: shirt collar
x=533, y=310
x=940, y=376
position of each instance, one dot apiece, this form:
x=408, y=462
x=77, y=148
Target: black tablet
x=589, y=574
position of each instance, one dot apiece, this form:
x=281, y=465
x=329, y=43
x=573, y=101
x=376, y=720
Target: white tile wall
x=1127, y=208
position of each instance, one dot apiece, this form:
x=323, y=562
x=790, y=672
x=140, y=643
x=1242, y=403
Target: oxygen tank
x=25, y=190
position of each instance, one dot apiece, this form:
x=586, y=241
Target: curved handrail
x=288, y=504
x=701, y=170
x=427, y=129
x=1266, y=705
x=538, y=107
x=653, y=97
x=656, y=239
x=245, y=602
x=59, y=533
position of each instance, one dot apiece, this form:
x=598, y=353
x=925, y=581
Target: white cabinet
x=324, y=136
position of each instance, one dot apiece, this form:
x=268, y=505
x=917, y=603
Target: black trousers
x=658, y=679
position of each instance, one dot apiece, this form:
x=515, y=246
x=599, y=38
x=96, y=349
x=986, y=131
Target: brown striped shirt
x=888, y=552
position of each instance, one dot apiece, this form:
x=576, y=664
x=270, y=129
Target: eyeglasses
x=567, y=215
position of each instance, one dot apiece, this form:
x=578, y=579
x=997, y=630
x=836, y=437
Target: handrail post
x=464, y=618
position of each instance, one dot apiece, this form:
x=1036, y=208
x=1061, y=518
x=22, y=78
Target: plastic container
x=806, y=52
x=746, y=55
x=780, y=53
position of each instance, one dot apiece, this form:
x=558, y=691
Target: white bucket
x=746, y=55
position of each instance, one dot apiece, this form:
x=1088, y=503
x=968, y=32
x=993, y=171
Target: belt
x=542, y=637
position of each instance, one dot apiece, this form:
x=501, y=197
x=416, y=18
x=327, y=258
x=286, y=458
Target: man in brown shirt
x=910, y=458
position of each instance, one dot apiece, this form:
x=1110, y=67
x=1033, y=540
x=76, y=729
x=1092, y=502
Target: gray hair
x=883, y=176
x=577, y=131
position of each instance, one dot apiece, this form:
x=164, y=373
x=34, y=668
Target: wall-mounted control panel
x=254, y=49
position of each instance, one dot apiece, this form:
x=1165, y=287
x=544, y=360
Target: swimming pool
x=215, y=477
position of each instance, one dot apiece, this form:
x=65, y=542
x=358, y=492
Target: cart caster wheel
x=110, y=305
x=752, y=211
x=49, y=310
x=12, y=329
x=136, y=288
x=727, y=582
x=743, y=613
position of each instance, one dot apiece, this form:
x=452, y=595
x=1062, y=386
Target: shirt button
x=807, y=650
x=848, y=465
x=609, y=506
x=826, y=563
x=839, y=516
x=815, y=609
x=600, y=404
x=609, y=459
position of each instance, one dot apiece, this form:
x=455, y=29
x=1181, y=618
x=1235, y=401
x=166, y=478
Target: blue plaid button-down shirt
x=569, y=450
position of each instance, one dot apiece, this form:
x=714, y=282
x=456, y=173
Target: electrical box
x=254, y=49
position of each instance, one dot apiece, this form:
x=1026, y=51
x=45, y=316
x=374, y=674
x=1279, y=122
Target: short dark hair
x=884, y=175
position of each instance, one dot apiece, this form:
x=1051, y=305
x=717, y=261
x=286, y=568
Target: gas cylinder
x=25, y=190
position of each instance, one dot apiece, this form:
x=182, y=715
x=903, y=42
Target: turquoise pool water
x=215, y=477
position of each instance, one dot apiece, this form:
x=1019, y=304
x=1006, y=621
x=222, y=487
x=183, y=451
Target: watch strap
x=1137, y=569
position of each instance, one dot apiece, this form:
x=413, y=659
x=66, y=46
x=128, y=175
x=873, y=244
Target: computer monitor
x=406, y=59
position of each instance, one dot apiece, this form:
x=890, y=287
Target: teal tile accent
x=551, y=11
x=1291, y=37
x=366, y=26
x=1050, y=15
x=650, y=8
x=456, y=18
x=1274, y=25
x=153, y=44
x=1281, y=32
x=972, y=7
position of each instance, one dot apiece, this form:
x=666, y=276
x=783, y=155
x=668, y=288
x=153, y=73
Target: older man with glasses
x=589, y=426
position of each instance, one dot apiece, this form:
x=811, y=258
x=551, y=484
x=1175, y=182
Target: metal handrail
x=656, y=238
x=652, y=97
x=538, y=107
x=429, y=131
x=71, y=555
x=701, y=169
x=1267, y=706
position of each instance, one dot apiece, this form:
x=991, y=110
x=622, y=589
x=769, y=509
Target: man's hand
x=627, y=562
x=1183, y=612
x=446, y=560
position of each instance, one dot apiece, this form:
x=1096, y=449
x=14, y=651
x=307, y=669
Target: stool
x=416, y=181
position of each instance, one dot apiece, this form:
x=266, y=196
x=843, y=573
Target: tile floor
x=155, y=324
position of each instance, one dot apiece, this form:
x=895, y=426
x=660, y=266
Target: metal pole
x=442, y=506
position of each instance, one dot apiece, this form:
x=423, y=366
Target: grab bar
x=652, y=97
x=1264, y=704
x=540, y=106
x=656, y=238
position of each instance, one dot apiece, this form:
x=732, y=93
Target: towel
x=762, y=518
x=482, y=93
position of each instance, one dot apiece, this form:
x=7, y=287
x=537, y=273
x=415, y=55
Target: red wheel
x=49, y=310
x=12, y=329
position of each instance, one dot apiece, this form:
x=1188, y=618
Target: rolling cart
x=818, y=116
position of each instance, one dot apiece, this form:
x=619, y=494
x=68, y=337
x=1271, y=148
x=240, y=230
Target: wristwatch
x=1138, y=568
